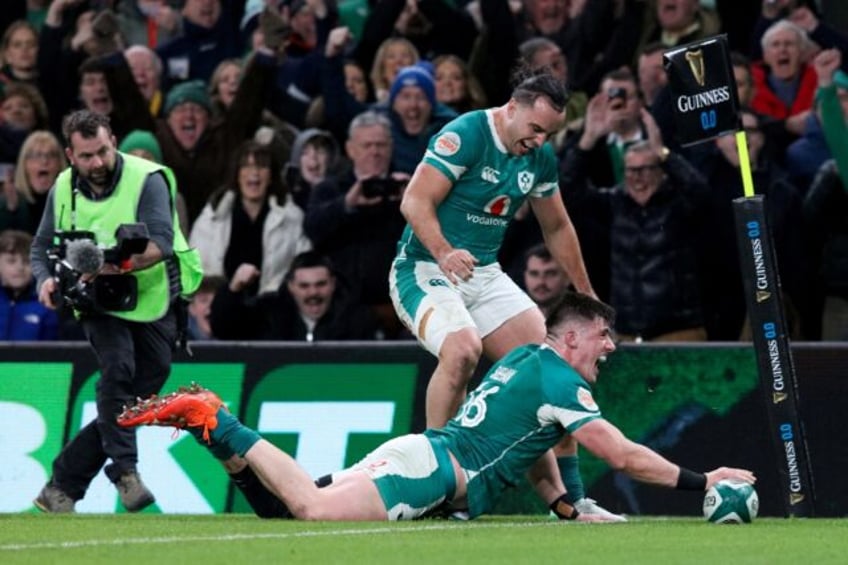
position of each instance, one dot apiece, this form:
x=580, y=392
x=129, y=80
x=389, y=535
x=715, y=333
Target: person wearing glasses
x=653, y=221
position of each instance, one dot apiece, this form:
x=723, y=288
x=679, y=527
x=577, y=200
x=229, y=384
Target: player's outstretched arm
x=643, y=464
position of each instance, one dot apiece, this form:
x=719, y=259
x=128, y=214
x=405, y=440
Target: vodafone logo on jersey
x=498, y=206
x=447, y=144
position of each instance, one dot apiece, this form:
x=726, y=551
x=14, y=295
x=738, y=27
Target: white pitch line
x=233, y=537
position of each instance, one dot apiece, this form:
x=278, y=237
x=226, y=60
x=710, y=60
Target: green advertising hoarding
x=33, y=405
x=330, y=404
x=182, y=474
x=327, y=415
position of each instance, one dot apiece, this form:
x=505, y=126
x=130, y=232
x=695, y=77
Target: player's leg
x=197, y=408
x=261, y=499
x=505, y=315
x=264, y=503
x=354, y=497
x=523, y=328
x=434, y=311
x=448, y=385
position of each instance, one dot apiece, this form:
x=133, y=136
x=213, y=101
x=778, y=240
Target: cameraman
x=100, y=191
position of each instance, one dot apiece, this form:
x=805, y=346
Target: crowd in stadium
x=292, y=127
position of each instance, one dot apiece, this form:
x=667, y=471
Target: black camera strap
x=74, y=192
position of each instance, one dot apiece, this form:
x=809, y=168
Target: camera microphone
x=83, y=256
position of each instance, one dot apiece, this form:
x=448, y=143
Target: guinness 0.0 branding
x=703, y=99
x=703, y=88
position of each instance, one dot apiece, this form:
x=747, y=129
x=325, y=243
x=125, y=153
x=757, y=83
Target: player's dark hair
x=531, y=85
x=86, y=123
x=575, y=305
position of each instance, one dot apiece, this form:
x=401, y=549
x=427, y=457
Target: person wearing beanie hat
x=188, y=109
x=314, y=153
x=313, y=136
x=142, y=144
x=192, y=91
x=417, y=75
x=415, y=114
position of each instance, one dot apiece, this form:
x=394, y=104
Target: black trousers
x=135, y=361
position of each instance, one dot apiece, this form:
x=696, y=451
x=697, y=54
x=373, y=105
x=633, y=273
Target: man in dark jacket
x=359, y=229
x=654, y=282
x=310, y=306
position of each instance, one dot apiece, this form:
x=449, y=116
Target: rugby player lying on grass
x=503, y=431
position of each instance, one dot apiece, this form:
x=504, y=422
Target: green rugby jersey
x=489, y=186
x=517, y=413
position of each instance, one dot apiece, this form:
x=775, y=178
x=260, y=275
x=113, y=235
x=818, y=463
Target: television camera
x=76, y=258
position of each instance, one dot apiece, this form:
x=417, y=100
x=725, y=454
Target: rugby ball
x=728, y=502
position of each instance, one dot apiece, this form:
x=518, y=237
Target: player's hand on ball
x=730, y=474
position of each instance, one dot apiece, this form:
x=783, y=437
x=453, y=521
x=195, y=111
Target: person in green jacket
x=832, y=97
x=826, y=202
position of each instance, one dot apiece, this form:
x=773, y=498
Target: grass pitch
x=236, y=539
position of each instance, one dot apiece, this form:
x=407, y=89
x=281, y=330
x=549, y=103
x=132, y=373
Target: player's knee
x=311, y=512
x=307, y=514
x=462, y=351
x=304, y=511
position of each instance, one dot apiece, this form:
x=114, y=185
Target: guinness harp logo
x=696, y=65
x=795, y=498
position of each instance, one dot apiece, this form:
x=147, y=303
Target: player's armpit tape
x=563, y=509
x=690, y=480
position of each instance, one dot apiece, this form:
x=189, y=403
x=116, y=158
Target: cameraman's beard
x=100, y=178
